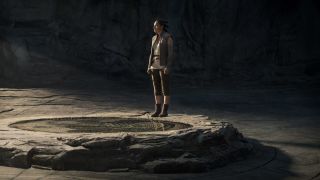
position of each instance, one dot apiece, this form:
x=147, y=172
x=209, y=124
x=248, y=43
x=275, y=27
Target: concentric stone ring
x=177, y=144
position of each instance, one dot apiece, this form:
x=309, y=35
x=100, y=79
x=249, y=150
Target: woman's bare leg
x=158, y=99
x=166, y=99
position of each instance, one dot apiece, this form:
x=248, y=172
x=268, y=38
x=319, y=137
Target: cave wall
x=274, y=41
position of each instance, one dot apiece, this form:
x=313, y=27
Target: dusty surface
x=284, y=119
x=121, y=141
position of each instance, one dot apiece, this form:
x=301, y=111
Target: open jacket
x=166, y=50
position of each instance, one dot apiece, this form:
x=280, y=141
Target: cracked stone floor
x=284, y=119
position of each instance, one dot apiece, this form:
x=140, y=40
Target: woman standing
x=159, y=66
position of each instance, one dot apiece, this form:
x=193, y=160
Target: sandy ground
x=284, y=119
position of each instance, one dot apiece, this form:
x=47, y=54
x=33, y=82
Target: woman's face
x=157, y=28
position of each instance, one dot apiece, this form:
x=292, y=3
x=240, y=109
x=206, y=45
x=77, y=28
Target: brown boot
x=156, y=111
x=164, y=112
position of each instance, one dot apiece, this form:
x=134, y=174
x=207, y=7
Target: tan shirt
x=156, y=47
x=156, y=64
x=156, y=59
x=166, y=50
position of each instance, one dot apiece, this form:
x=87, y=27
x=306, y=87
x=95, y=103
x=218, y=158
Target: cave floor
x=285, y=119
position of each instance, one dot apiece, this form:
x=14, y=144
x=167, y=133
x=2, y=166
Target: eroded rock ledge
x=196, y=149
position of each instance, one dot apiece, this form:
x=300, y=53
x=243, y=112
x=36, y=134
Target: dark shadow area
x=267, y=162
x=306, y=145
x=216, y=42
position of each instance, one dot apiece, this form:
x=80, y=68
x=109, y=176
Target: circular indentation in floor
x=97, y=124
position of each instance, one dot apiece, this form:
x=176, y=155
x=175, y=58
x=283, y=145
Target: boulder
x=180, y=165
x=20, y=160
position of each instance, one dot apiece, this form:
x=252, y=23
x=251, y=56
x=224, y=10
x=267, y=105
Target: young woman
x=159, y=66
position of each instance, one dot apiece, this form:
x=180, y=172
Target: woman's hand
x=149, y=71
x=166, y=70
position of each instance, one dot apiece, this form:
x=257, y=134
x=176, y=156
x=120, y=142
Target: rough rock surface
x=203, y=146
x=264, y=41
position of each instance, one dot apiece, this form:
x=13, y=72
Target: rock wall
x=275, y=41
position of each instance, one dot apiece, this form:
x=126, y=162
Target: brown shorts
x=160, y=82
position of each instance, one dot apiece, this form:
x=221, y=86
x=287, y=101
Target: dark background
x=56, y=42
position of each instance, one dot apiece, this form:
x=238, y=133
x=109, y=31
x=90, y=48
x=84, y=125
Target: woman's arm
x=149, y=63
x=170, y=52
